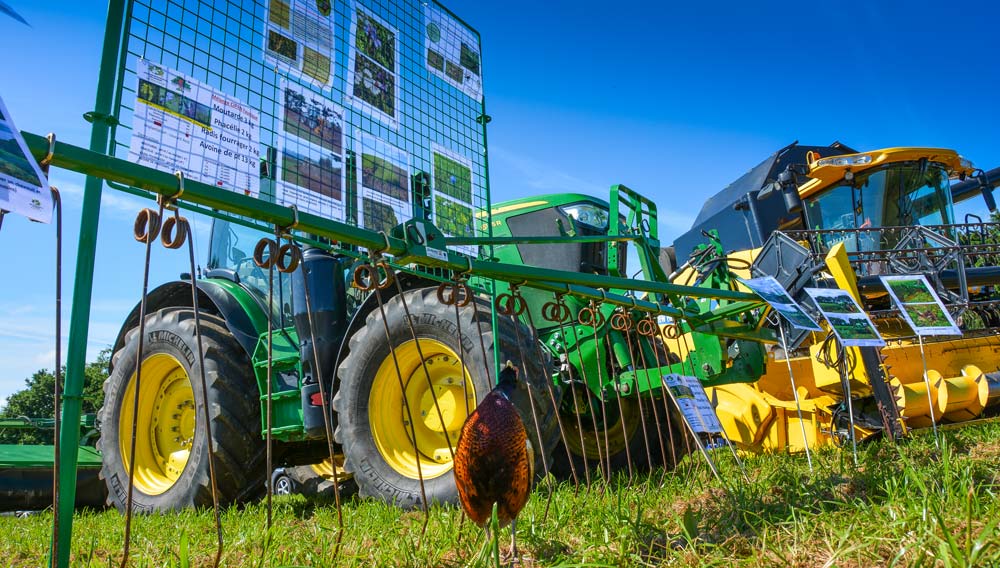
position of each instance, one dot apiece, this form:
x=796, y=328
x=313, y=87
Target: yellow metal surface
x=388, y=418
x=325, y=468
x=165, y=426
x=823, y=176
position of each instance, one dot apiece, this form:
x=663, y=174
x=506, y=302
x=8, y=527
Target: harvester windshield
x=900, y=194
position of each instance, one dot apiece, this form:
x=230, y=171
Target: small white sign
x=693, y=402
x=24, y=189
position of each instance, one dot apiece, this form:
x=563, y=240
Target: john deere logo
x=156, y=70
x=36, y=204
x=323, y=6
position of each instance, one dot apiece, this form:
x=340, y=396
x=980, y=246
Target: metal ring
x=460, y=294
x=363, y=278
x=671, y=331
x=620, y=321
x=556, y=311
x=510, y=304
x=591, y=316
x=147, y=226
x=646, y=327
x=168, y=236
x=258, y=253
x=292, y=253
x=390, y=275
x=51, y=137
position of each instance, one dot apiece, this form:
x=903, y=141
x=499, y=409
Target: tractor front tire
x=386, y=453
x=171, y=450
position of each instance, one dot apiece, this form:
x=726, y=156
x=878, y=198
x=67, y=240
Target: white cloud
x=541, y=176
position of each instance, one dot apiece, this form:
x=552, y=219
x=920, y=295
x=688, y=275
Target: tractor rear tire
x=617, y=436
x=371, y=419
x=171, y=465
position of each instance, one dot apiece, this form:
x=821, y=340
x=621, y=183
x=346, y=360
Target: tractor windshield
x=900, y=194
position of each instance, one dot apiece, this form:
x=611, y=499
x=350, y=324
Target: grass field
x=906, y=505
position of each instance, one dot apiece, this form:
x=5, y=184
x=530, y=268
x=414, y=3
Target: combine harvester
x=830, y=216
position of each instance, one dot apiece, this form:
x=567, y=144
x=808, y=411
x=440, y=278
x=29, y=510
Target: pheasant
x=494, y=462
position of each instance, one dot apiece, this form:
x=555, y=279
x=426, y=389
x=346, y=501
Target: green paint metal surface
x=41, y=456
x=286, y=401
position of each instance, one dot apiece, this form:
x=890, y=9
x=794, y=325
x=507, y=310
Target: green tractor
x=598, y=381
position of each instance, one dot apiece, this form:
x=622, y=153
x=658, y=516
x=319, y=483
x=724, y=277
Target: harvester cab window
x=898, y=195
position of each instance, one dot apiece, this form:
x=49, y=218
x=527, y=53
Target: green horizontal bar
x=538, y=240
x=582, y=284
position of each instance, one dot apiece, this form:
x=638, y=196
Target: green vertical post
x=83, y=285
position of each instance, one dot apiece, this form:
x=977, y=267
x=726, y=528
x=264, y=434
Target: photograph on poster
x=384, y=190
x=299, y=39
x=848, y=321
x=373, y=69
x=920, y=305
x=314, y=119
x=323, y=176
x=768, y=288
x=454, y=210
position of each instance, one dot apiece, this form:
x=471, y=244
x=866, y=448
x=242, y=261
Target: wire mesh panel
x=367, y=112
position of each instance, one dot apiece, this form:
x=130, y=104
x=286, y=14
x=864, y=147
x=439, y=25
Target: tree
x=36, y=400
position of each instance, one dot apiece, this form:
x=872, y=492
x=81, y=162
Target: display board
x=24, y=189
x=849, y=322
x=689, y=394
x=772, y=292
x=367, y=112
x=920, y=305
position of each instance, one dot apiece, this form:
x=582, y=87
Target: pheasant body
x=492, y=461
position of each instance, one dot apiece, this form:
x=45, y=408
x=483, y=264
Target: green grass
x=906, y=505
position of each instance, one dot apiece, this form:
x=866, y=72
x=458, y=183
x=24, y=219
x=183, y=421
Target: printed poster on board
x=24, y=189
x=451, y=182
x=383, y=172
x=311, y=167
x=693, y=403
x=373, y=68
x=182, y=125
x=772, y=292
x=920, y=305
x=452, y=51
x=299, y=38
x=846, y=318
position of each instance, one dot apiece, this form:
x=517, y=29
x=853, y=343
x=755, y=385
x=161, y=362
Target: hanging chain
x=558, y=312
x=145, y=230
x=622, y=321
x=295, y=253
x=513, y=305
x=376, y=276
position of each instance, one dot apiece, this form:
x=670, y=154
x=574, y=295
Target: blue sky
x=675, y=100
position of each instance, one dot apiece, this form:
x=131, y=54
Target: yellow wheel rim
x=620, y=426
x=389, y=419
x=165, y=426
